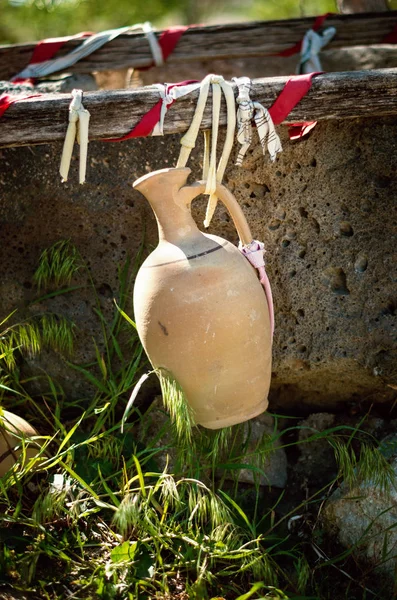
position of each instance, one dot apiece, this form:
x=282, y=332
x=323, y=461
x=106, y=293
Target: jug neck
x=161, y=189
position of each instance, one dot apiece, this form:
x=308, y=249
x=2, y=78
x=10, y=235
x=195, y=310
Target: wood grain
x=114, y=113
x=214, y=42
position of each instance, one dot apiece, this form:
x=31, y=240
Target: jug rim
x=148, y=176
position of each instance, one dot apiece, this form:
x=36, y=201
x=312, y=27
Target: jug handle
x=189, y=192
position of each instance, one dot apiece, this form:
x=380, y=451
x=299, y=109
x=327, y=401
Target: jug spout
x=162, y=182
x=172, y=211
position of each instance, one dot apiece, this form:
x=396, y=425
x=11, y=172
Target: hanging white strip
x=227, y=148
x=247, y=112
x=188, y=141
x=267, y=134
x=155, y=47
x=245, y=115
x=79, y=119
x=312, y=44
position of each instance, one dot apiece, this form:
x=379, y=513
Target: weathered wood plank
x=332, y=96
x=216, y=41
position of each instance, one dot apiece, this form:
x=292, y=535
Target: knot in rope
x=247, y=112
x=312, y=44
x=79, y=119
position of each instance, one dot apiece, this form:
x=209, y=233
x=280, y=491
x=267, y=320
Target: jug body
x=12, y=429
x=202, y=317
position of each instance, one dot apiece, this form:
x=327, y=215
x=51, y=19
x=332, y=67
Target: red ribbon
x=391, y=37
x=293, y=92
x=169, y=39
x=7, y=99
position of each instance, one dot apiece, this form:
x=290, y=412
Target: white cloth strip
x=79, y=119
x=227, y=148
x=47, y=67
x=312, y=44
x=249, y=111
x=188, y=141
x=155, y=47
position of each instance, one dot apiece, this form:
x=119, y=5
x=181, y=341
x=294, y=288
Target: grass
x=138, y=514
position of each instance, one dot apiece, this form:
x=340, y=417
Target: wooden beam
x=214, y=42
x=113, y=113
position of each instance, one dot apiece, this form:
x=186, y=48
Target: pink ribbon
x=253, y=252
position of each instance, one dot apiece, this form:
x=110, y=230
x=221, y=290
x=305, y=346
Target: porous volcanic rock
x=325, y=209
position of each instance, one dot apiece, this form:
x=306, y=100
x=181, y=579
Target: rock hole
x=389, y=309
x=313, y=163
x=275, y=224
x=345, y=229
x=335, y=277
x=105, y=290
x=303, y=212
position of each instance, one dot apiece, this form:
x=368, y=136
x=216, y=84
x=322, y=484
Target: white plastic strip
x=312, y=44
x=79, y=119
x=155, y=47
x=212, y=174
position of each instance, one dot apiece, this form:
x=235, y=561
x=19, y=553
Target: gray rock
x=364, y=519
x=274, y=460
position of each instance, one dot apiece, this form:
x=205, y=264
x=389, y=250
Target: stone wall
x=326, y=211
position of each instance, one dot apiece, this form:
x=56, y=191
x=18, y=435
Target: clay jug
x=200, y=310
x=13, y=430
